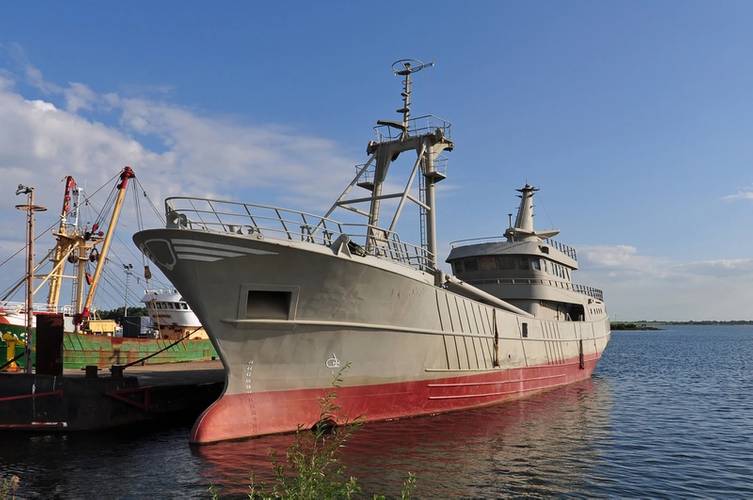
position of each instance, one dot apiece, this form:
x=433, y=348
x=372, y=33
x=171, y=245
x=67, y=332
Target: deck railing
x=416, y=126
x=566, y=249
x=8, y=307
x=565, y=285
x=293, y=225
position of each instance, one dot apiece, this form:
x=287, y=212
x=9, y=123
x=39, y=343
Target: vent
x=265, y=304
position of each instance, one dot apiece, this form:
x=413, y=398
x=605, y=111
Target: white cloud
x=640, y=286
x=742, y=194
x=173, y=150
x=78, y=96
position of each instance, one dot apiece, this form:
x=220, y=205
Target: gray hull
x=285, y=316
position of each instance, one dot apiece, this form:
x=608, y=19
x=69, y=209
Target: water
x=667, y=413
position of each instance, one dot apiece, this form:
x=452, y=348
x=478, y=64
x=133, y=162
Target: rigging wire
x=133, y=254
x=160, y=216
x=24, y=247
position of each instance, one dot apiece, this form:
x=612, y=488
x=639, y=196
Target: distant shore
x=620, y=325
x=659, y=325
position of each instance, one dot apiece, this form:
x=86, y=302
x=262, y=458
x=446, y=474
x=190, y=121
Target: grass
x=8, y=487
x=312, y=468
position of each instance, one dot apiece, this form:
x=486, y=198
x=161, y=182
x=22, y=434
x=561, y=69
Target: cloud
x=173, y=150
x=638, y=286
x=743, y=194
x=79, y=97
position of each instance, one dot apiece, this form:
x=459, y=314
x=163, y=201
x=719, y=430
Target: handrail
x=558, y=245
x=9, y=307
x=286, y=224
x=480, y=239
x=416, y=126
x=565, y=285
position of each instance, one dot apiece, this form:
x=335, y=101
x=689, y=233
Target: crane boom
x=121, y=188
x=63, y=248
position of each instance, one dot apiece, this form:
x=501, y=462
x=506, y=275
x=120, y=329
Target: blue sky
x=633, y=117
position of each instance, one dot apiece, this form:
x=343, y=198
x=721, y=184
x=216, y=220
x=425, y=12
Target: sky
x=633, y=118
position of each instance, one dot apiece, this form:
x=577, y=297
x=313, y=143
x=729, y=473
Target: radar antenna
x=405, y=68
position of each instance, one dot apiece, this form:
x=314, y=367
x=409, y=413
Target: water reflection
x=541, y=445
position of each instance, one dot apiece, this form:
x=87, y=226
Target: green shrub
x=8, y=487
x=312, y=469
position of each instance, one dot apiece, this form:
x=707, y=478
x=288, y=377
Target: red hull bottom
x=237, y=416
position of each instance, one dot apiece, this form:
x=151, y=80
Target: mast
x=524, y=220
x=101, y=262
x=428, y=137
x=63, y=247
x=523, y=229
x=29, y=208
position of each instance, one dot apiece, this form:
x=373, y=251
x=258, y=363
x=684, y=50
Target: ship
x=86, y=339
x=291, y=299
x=171, y=315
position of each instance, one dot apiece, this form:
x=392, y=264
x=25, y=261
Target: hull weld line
x=516, y=381
x=492, y=394
x=240, y=323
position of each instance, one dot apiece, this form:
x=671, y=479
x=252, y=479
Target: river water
x=667, y=413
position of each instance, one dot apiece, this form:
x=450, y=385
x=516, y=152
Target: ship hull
x=401, y=345
x=241, y=415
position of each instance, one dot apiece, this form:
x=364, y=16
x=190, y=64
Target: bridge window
x=457, y=266
x=486, y=263
x=536, y=264
x=523, y=263
x=505, y=263
x=470, y=264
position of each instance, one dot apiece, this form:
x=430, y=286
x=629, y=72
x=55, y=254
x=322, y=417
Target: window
x=458, y=265
x=264, y=304
x=470, y=264
x=505, y=263
x=523, y=263
x=486, y=263
x=524, y=329
x=536, y=264
x=546, y=265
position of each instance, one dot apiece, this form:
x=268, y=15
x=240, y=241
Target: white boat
x=171, y=315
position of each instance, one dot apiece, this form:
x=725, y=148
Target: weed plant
x=312, y=469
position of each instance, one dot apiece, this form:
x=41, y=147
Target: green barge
x=80, y=350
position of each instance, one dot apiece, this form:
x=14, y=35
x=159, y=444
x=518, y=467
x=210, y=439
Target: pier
x=84, y=400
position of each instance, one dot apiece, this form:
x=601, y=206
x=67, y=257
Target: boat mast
x=101, y=262
x=29, y=208
x=428, y=136
x=523, y=229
